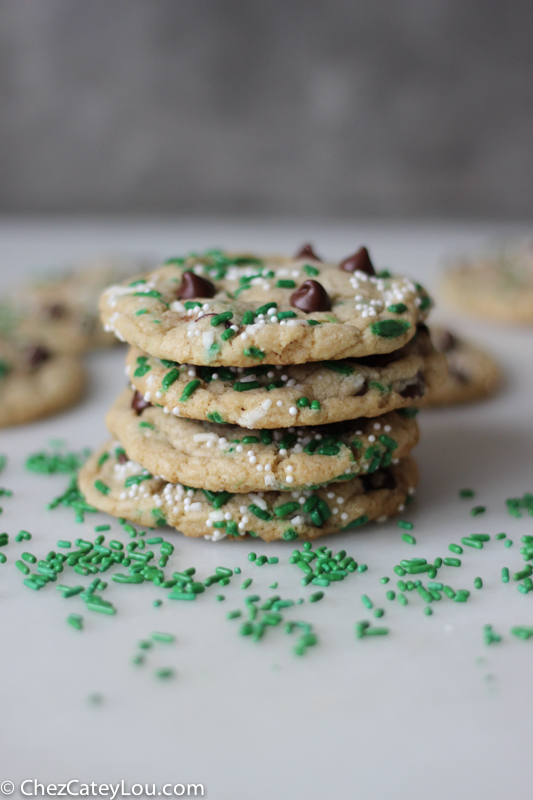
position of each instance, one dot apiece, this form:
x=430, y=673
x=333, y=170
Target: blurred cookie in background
x=61, y=311
x=472, y=374
x=35, y=383
x=497, y=286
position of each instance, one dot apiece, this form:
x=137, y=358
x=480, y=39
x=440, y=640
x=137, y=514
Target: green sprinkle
x=311, y=271
x=508, y=543
x=246, y=583
x=500, y=536
x=384, y=580
x=315, y=405
x=214, y=416
x=389, y=328
x=229, y=333
x=151, y=293
x=163, y=637
x=285, y=314
x=366, y=601
x=234, y=614
x=23, y=535
x=428, y=611
x=245, y=386
x=523, y=573
x=29, y=557
x=478, y=583
x=471, y=542
x=22, y=567
x=455, y=548
x=265, y=308
x=190, y=389
x=315, y=597
x=170, y=378
x=397, y=308
x=164, y=673
x=452, y=562
x=402, y=599
x=474, y=512
x=408, y=526
x=261, y=513
x=220, y=318
x=254, y=352
x=406, y=537
x=286, y=509
x=102, y=487
x=64, y=543
x=505, y=575
x=76, y=620
x=289, y=535
x=379, y=612
x=466, y=493
x=286, y=284
x=522, y=632
x=302, y=402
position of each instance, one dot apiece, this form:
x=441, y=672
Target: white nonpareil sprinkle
x=293, y=411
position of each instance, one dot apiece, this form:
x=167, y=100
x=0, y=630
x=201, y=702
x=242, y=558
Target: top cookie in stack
x=227, y=347
x=223, y=309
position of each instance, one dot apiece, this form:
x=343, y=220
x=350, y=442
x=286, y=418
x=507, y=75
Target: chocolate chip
x=358, y=261
x=194, y=286
x=306, y=251
x=415, y=389
x=57, y=311
x=311, y=296
x=37, y=355
x=122, y=458
x=382, y=479
x=138, y=403
x=444, y=341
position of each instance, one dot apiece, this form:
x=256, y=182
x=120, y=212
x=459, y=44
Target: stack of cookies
x=269, y=397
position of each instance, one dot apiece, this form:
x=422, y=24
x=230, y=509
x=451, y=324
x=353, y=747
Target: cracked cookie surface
x=270, y=396
x=108, y=482
x=224, y=457
x=240, y=310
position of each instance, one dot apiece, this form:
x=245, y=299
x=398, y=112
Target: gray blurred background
x=339, y=109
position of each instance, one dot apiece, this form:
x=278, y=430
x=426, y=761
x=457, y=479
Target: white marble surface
x=427, y=711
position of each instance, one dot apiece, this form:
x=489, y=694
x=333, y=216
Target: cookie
x=497, y=287
x=61, y=312
x=239, y=310
x=472, y=374
x=225, y=457
x=114, y=484
x=35, y=383
x=317, y=393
